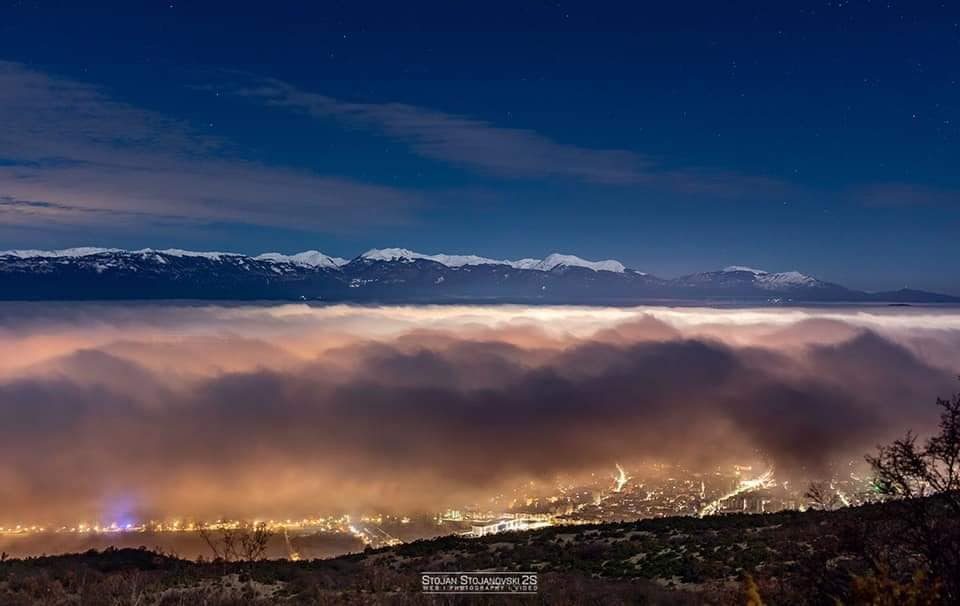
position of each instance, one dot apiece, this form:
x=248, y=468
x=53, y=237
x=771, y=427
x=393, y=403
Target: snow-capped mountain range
x=315, y=258
x=551, y=261
x=395, y=275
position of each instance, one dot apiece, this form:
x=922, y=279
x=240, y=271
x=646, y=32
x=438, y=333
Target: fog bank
x=157, y=410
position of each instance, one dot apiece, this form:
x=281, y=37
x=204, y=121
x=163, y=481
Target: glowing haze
x=160, y=410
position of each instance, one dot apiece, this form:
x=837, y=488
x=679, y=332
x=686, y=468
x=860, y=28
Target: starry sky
x=675, y=137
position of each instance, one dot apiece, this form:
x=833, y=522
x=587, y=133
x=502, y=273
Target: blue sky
x=822, y=137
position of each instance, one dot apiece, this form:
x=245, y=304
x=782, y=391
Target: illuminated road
x=764, y=481
x=621, y=479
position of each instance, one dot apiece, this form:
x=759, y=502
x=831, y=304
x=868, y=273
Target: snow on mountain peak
x=552, y=261
x=557, y=259
x=785, y=279
x=179, y=252
x=756, y=272
x=403, y=254
x=315, y=258
x=86, y=251
x=307, y=258
x=81, y=251
x=391, y=254
x=775, y=280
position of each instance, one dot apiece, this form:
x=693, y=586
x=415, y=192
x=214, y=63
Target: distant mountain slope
x=397, y=275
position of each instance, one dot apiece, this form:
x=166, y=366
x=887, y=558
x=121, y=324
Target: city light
x=641, y=491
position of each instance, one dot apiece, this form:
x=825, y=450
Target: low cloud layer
x=160, y=410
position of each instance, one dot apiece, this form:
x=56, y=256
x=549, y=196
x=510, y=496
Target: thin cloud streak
x=508, y=152
x=68, y=151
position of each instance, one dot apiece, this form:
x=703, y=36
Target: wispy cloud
x=507, y=152
x=70, y=153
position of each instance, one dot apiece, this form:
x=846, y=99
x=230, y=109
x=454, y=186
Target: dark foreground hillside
x=851, y=556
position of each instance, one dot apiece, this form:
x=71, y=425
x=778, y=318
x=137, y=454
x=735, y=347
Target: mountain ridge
x=398, y=275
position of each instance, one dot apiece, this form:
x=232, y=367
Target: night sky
x=675, y=137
